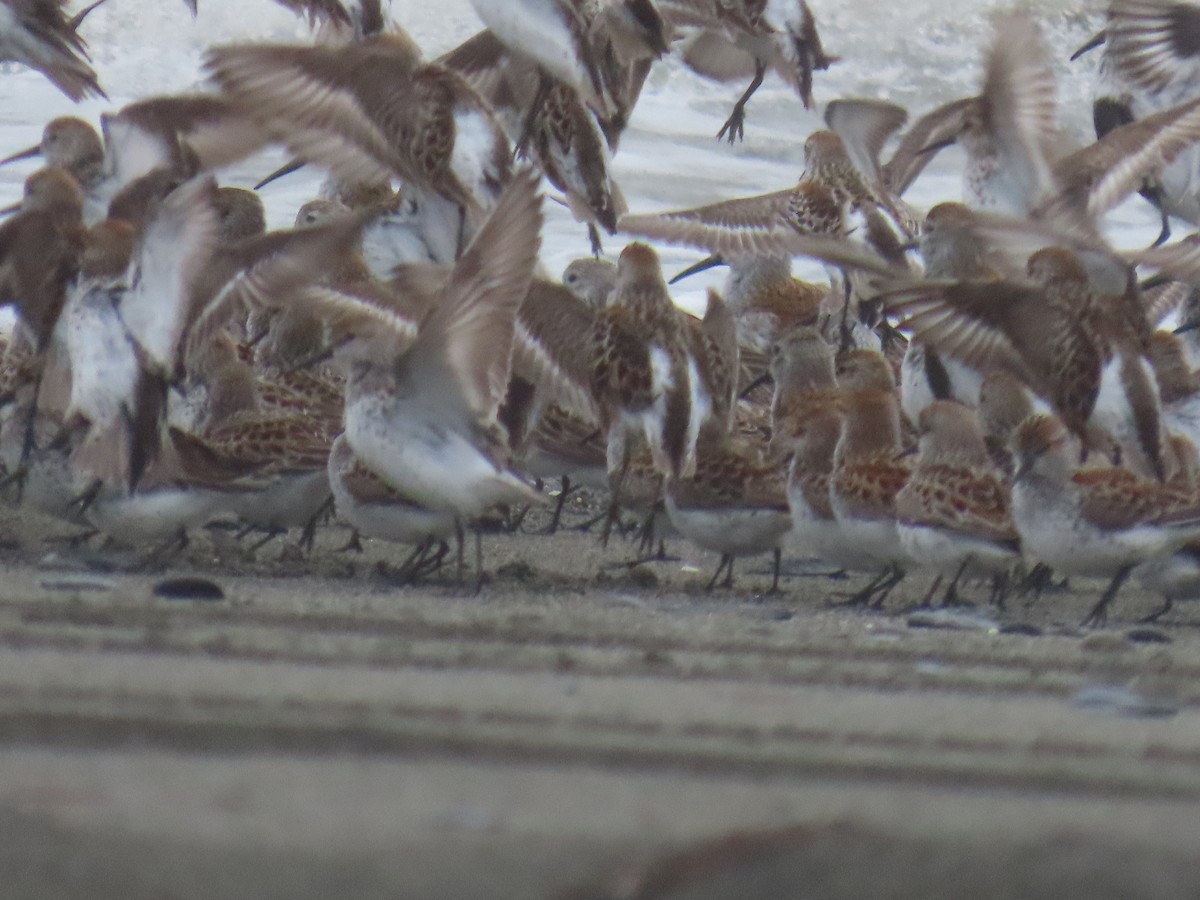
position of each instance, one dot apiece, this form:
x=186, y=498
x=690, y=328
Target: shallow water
x=919, y=53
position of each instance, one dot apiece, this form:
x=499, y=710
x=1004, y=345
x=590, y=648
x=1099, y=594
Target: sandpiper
x=269, y=467
x=735, y=505
x=180, y=134
x=426, y=421
x=803, y=370
x=713, y=347
x=672, y=416
x=375, y=510
x=1008, y=128
x=954, y=513
x=869, y=471
x=40, y=248
x=1074, y=347
x=779, y=35
x=38, y=34
x=591, y=280
x=808, y=219
x=812, y=442
x=122, y=327
x=1099, y=522
x=550, y=123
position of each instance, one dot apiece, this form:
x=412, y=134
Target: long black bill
x=27, y=153
x=1095, y=42
x=294, y=166
x=1154, y=281
x=702, y=266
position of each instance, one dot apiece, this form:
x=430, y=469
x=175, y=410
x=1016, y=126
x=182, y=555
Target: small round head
x=240, y=214
x=860, y=369
x=802, y=353
x=823, y=148
x=1040, y=445
x=1056, y=266
x=638, y=261
x=950, y=244
x=591, y=280
x=68, y=141
x=318, y=212
x=948, y=428
x=52, y=189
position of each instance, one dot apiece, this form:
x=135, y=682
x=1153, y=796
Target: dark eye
x=572, y=278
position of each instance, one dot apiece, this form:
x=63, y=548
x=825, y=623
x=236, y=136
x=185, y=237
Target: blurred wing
x=175, y=247
x=305, y=97
x=469, y=333
x=922, y=142
x=1154, y=43
x=864, y=127
x=1020, y=102
x=730, y=228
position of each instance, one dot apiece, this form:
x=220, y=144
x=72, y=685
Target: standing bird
x=426, y=421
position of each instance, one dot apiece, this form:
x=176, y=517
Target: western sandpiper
x=426, y=422
x=735, y=505
x=869, y=471
x=954, y=513
x=1100, y=522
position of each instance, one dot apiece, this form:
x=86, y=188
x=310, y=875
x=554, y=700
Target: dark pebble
x=1147, y=635
x=189, y=589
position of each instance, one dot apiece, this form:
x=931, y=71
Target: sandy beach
x=325, y=732
x=580, y=729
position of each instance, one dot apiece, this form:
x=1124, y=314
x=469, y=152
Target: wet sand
x=321, y=732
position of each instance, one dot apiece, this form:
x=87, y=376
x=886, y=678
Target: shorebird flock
x=985, y=388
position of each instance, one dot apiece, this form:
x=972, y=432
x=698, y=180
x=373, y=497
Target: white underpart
x=539, y=30
x=104, y=367
x=945, y=551
x=653, y=419
x=153, y=515
x=738, y=532
x=1113, y=413
x=399, y=522
x=916, y=392
x=434, y=465
x=816, y=536
x=576, y=184
x=478, y=142
x=131, y=152
x=293, y=501
x=440, y=223
x=155, y=308
x=394, y=239
x=1054, y=532
x=699, y=411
